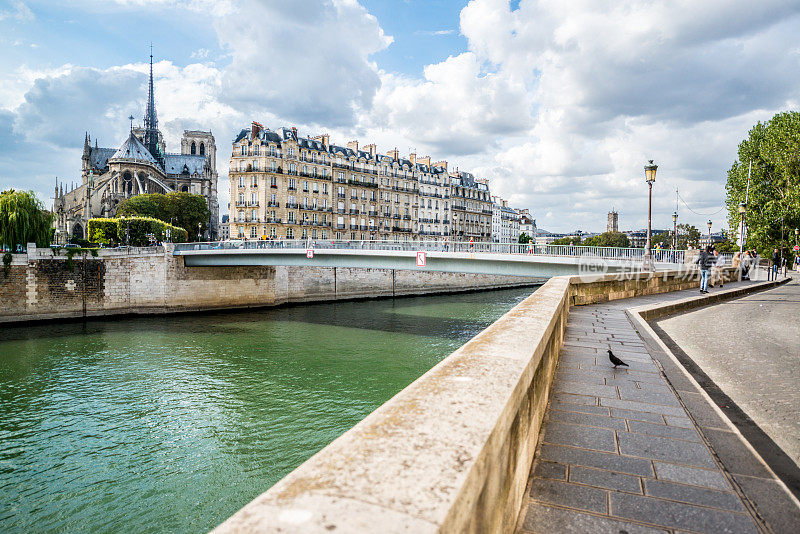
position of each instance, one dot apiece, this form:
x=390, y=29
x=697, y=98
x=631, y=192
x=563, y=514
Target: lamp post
x=649, y=177
x=742, y=211
x=199, y=233
x=709, y=232
x=675, y=230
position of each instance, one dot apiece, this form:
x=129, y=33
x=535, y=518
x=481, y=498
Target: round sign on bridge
x=310, y=253
x=421, y=259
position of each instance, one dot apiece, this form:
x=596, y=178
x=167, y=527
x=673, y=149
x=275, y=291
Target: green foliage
x=70, y=252
x=688, y=234
x=608, y=239
x=103, y=230
x=773, y=209
x=726, y=246
x=134, y=230
x=119, y=231
x=23, y=220
x=184, y=209
x=524, y=238
x=567, y=240
x=7, y=257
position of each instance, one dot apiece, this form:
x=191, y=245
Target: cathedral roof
x=175, y=163
x=99, y=157
x=133, y=149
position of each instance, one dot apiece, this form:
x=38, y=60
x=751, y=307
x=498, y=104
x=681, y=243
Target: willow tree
x=23, y=220
x=771, y=155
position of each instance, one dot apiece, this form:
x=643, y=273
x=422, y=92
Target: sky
x=559, y=104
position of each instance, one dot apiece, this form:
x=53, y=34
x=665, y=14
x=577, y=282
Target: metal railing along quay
x=661, y=256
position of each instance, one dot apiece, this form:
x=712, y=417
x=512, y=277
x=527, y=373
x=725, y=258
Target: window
x=255, y=165
x=315, y=187
x=272, y=233
x=241, y=198
x=324, y=203
x=290, y=216
x=314, y=233
x=305, y=185
x=240, y=216
x=241, y=181
x=324, y=189
x=341, y=176
x=273, y=166
x=255, y=181
x=253, y=197
x=193, y=149
x=289, y=233
x=324, y=234
x=255, y=151
x=243, y=150
x=305, y=233
x=292, y=183
x=292, y=168
x=254, y=232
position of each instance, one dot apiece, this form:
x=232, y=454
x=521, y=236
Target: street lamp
x=675, y=230
x=649, y=177
x=709, y=232
x=199, y=233
x=742, y=211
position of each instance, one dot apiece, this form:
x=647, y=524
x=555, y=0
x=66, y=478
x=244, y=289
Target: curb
x=775, y=511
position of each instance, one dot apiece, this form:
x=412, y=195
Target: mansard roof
x=133, y=149
x=311, y=144
x=174, y=163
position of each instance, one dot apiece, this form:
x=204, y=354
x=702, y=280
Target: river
x=173, y=423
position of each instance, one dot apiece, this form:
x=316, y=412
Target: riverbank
x=152, y=281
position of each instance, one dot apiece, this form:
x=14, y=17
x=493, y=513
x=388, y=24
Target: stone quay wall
x=451, y=452
x=42, y=286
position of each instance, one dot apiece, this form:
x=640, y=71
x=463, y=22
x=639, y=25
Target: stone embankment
x=40, y=285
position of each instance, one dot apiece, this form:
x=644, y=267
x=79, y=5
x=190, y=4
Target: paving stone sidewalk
x=618, y=452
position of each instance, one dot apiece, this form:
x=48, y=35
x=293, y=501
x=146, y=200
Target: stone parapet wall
x=451, y=452
x=41, y=285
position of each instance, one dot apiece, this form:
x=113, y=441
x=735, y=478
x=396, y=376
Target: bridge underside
x=480, y=263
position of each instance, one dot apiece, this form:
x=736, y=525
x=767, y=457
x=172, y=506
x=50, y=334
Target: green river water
x=171, y=424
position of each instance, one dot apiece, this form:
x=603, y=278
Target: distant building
x=225, y=228
x=505, y=222
x=716, y=237
x=544, y=237
x=638, y=238
x=527, y=224
x=613, y=221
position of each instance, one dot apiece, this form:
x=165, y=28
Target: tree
x=612, y=239
x=772, y=152
x=23, y=220
x=181, y=209
x=567, y=241
x=688, y=234
x=524, y=238
x=664, y=239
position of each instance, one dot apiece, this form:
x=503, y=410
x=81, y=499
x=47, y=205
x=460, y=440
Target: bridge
x=539, y=261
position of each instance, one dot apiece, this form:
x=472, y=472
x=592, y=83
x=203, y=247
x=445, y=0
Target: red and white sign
x=420, y=259
x=796, y=248
x=309, y=253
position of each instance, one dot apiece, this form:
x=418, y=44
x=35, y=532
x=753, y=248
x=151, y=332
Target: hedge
x=133, y=231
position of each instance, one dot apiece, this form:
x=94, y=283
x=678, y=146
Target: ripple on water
x=173, y=423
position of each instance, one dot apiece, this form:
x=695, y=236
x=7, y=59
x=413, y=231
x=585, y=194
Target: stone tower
x=613, y=221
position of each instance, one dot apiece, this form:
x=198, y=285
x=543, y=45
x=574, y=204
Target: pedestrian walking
x=705, y=260
x=776, y=264
x=745, y=264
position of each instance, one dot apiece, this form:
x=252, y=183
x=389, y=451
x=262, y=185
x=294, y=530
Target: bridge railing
x=661, y=256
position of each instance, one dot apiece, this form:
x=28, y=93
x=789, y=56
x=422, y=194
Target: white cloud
x=19, y=12
x=308, y=60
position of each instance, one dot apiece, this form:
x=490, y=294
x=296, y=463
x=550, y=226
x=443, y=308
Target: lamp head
x=709, y=224
x=650, y=172
x=742, y=207
x=675, y=216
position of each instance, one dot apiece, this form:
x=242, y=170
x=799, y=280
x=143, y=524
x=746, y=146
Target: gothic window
x=193, y=149
x=203, y=149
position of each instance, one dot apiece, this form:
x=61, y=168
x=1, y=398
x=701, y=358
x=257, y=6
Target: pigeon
x=616, y=361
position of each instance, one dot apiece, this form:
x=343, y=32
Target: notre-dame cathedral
x=140, y=165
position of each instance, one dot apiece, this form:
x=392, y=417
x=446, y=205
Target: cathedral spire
x=150, y=118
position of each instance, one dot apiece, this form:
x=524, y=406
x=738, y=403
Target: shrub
x=134, y=231
x=103, y=230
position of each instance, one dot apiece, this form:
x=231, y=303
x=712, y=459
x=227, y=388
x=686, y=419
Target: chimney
x=325, y=139
x=353, y=145
x=294, y=132
x=394, y=154
x=412, y=158
x=425, y=161
x=254, y=129
x=372, y=149
x=442, y=163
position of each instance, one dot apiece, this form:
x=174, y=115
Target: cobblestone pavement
x=750, y=348
x=618, y=452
